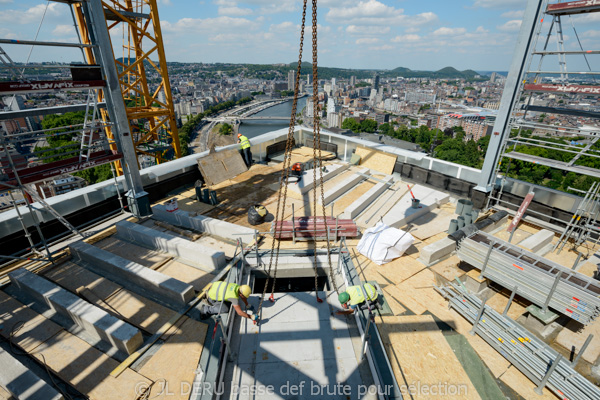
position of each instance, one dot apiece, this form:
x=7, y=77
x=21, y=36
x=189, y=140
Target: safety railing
x=371, y=344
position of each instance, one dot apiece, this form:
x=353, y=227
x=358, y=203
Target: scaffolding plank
x=573, y=7
x=577, y=89
x=554, y=164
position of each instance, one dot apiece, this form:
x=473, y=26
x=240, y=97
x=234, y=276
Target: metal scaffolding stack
x=541, y=281
x=536, y=360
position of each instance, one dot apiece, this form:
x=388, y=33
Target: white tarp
x=381, y=244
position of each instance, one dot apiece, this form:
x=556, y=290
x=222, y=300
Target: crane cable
x=283, y=181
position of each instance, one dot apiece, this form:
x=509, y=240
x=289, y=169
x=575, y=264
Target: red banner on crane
x=526, y=201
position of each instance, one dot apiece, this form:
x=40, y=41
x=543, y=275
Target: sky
x=368, y=34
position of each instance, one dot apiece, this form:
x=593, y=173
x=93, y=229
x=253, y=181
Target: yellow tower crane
x=144, y=81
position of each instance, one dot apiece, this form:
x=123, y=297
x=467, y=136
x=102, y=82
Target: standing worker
x=220, y=293
x=355, y=297
x=245, y=149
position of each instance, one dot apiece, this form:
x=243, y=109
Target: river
x=254, y=128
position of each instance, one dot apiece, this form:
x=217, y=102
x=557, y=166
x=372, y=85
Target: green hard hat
x=343, y=297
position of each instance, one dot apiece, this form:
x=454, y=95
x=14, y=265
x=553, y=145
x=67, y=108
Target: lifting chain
x=319, y=159
x=283, y=181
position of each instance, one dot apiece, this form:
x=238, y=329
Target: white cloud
x=209, y=25
x=373, y=12
x=481, y=29
x=510, y=26
x=515, y=14
x=591, y=18
x=367, y=40
x=406, y=38
x=385, y=47
x=497, y=3
x=367, y=30
x=234, y=11
x=63, y=30
x=591, y=34
x=165, y=2
x=444, y=31
x=6, y=1
x=283, y=27
x=31, y=15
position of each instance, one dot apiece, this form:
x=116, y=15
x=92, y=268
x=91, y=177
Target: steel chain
x=319, y=159
x=283, y=181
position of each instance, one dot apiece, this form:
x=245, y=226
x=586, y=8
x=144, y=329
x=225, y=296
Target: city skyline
x=367, y=34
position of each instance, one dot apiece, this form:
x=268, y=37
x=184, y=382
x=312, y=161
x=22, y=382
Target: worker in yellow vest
x=221, y=294
x=245, y=145
x=354, y=298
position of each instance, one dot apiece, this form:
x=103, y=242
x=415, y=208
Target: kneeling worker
x=353, y=298
x=220, y=293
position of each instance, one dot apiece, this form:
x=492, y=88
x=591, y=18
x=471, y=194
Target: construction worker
x=245, y=149
x=353, y=298
x=221, y=293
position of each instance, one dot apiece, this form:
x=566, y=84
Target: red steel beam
x=45, y=86
x=573, y=7
x=575, y=89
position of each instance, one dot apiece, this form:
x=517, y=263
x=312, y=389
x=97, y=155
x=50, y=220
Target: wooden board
x=221, y=166
x=176, y=361
x=499, y=301
x=195, y=277
x=572, y=335
x=420, y=353
x=522, y=385
x=88, y=369
x=341, y=203
x=35, y=330
x=132, y=252
x=72, y=277
x=588, y=269
x=138, y=311
x=376, y=160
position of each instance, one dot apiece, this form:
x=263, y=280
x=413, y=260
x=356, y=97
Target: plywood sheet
x=499, y=301
x=132, y=252
x=522, y=385
x=184, y=273
x=176, y=361
x=35, y=330
x=138, y=311
x=72, y=277
x=588, y=269
x=572, y=335
x=218, y=167
x=376, y=160
x=88, y=369
x=350, y=197
x=423, y=355
x=448, y=269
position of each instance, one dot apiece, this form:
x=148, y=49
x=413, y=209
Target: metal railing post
x=540, y=387
x=487, y=258
x=512, y=297
x=479, y=315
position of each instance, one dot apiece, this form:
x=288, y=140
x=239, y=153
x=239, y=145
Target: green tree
x=368, y=125
x=352, y=124
x=225, y=129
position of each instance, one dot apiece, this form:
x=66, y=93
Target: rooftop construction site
x=375, y=272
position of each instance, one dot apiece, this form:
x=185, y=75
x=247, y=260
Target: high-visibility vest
x=244, y=142
x=220, y=290
x=356, y=294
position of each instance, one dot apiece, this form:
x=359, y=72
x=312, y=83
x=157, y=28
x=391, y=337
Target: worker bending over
x=353, y=298
x=245, y=149
x=221, y=294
